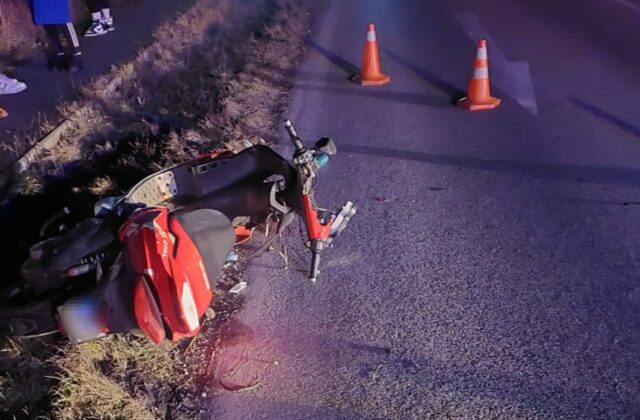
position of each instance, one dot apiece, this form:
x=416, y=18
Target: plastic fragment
x=238, y=288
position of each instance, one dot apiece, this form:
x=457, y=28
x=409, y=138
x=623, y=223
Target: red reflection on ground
x=243, y=358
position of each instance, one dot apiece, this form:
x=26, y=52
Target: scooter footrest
x=155, y=190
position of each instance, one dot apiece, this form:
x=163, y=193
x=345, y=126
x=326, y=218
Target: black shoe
x=57, y=62
x=75, y=63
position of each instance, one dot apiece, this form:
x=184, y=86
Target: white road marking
x=628, y=4
x=513, y=78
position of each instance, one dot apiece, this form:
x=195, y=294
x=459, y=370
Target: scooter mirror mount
x=326, y=145
x=105, y=206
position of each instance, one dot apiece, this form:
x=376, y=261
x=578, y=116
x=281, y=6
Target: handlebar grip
x=292, y=131
x=293, y=135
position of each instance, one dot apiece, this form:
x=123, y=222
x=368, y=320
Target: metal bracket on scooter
x=341, y=221
x=306, y=161
x=303, y=158
x=273, y=200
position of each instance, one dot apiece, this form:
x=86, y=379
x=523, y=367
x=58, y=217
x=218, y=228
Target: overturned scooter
x=147, y=261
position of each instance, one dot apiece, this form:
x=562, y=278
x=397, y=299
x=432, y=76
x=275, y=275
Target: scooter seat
x=212, y=233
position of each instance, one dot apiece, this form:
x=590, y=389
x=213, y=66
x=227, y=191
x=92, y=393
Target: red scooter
x=148, y=261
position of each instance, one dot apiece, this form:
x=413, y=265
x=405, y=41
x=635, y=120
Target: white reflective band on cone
x=481, y=73
x=482, y=54
x=371, y=36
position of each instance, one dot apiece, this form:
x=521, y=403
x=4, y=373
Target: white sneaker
x=108, y=24
x=10, y=86
x=97, y=28
x=4, y=77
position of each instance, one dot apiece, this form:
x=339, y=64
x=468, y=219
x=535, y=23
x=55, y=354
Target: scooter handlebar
x=294, y=136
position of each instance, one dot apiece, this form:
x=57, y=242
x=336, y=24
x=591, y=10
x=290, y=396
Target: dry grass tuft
x=31, y=185
x=102, y=186
x=124, y=377
x=24, y=384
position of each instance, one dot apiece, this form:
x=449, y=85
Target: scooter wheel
x=27, y=320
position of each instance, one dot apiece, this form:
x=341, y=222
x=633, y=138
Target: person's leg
x=71, y=35
x=105, y=9
x=97, y=5
x=56, y=56
x=94, y=7
x=105, y=15
x=72, y=38
x=54, y=39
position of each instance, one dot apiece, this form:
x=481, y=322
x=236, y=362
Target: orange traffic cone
x=479, y=95
x=3, y=113
x=370, y=74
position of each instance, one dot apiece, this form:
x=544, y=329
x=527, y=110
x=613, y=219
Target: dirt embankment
x=213, y=78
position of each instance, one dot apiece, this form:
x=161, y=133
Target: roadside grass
x=125, y=375
x=216, y=77
x=24, y=381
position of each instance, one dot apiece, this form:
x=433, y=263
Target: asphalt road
x=492, y=271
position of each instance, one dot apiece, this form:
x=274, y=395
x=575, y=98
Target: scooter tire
x=27, y=320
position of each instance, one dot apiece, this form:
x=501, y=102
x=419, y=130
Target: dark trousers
x=97, y=5
x=67, y=31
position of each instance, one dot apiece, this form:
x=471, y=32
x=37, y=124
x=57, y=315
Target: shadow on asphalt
x=604, y=115
x=586, y=174
x=404, y=97
x=578, y=200
x=348, y=67
x=442, y=85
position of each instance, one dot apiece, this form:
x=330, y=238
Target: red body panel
x=147, y=312
x=315, y=229
x=162, y=253
x=242, y=234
